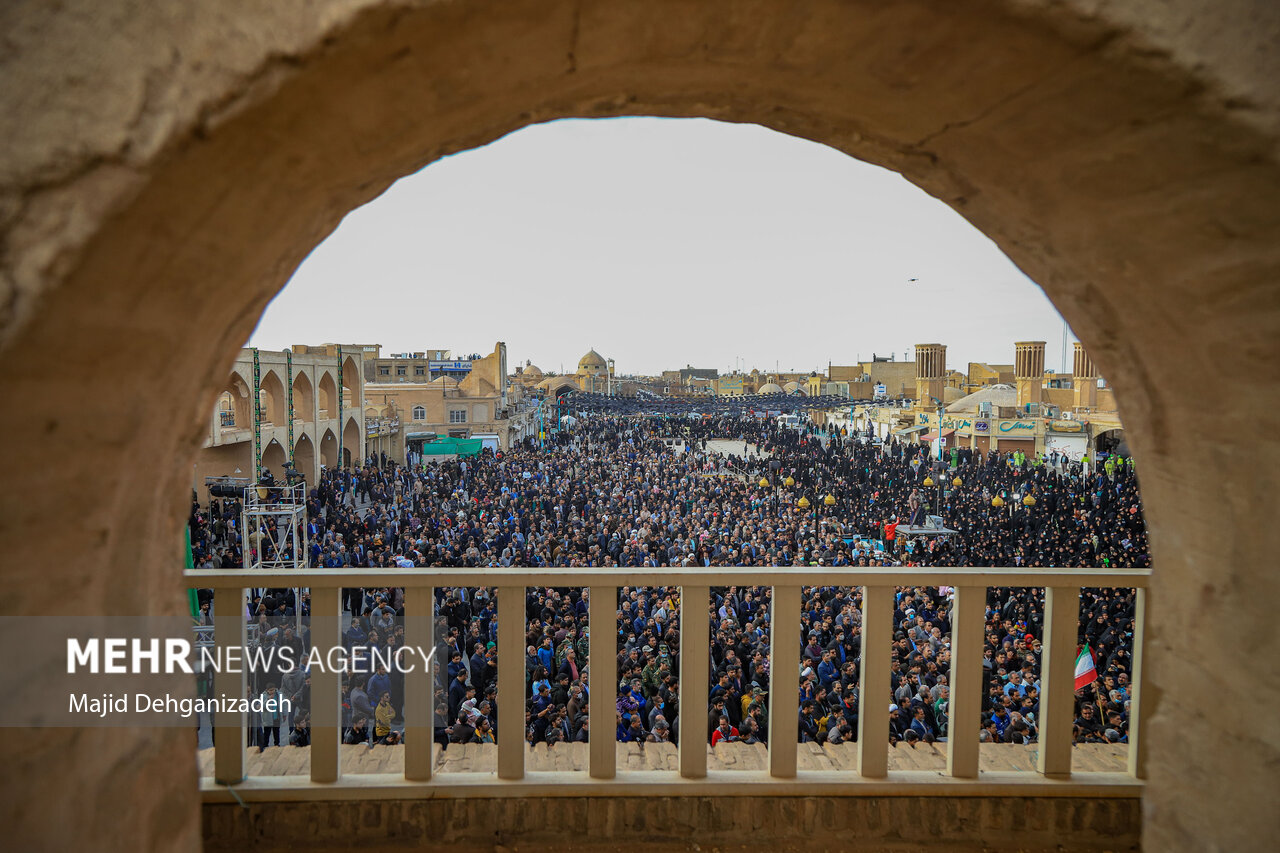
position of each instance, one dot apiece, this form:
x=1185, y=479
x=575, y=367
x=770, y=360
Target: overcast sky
x=661, y=243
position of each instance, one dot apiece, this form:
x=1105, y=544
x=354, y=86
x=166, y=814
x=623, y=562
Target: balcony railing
x=872, y=777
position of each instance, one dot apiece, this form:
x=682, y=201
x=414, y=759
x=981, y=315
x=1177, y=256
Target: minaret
x=1028, y=372
x=1084, y=379
x=931, y=369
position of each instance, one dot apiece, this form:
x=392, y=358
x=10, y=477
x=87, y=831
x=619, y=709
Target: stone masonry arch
x=329, y=450
x=274, y=459
x=275, y=410
x=304, y=459
x=303, y=397
x=167, y=170
x=328, y=396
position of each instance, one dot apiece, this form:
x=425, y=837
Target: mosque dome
x=770, y=388
x=533, y=370
x=592, y=363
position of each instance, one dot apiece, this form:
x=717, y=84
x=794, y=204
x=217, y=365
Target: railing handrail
x=1004, y=576
x=1061, y=621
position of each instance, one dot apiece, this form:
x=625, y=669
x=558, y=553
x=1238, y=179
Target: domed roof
x=770, y=388
x=792, y=387
x=592, y=361
x=532, y=370
x=996, y=395
x=553, y=382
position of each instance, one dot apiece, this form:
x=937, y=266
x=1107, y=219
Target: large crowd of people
x=661, y=489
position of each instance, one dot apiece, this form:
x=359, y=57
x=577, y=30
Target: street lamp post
x=775, y=466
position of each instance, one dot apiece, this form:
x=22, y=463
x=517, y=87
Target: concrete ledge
x=695, y=822
x=920, y=784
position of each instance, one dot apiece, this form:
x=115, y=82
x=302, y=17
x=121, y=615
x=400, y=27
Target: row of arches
x=308, y=458
x=235, y=406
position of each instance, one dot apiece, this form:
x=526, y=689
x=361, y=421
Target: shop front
x=1067, y=438
x=980, y=437
x=1014, y=435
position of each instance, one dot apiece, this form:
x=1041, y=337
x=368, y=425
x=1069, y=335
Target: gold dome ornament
x=764, y=483
x=997, y=502
x=1028, y=501
x=803, y=503
x=788, y=482
x=928, y=482
x=957, y=482
x=829, y=500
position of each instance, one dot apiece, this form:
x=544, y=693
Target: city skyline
x=732, y=245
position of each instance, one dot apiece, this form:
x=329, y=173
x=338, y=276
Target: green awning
x=453, y=446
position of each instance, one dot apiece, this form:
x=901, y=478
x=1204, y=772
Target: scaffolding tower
x=284, y=543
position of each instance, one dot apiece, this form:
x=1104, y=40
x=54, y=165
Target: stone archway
x=352, y=447
x=303, y=398
x=304, y=459
x=274, y=460
x=328, y=396
x=1122, y=154
x=275, y=409
x=236, y=401
x=329, y=450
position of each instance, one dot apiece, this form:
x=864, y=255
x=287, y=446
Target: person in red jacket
x=724, y=732
x=890, y=533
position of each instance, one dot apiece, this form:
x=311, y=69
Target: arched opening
x=275, y=409
x=274, y=459
x=351, y=384
x=329, y=450
x=234, y=407
x=328, y=396
x=352, y=452
x=1111, y=442
x=1118, y=175
x=304, y=458
x=303, y=398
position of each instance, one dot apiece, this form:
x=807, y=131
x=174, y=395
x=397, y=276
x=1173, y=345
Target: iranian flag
x=1086, y=673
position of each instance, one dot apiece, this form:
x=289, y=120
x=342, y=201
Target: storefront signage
x=982, y=427
x=1067, y=426
x=1010, y=426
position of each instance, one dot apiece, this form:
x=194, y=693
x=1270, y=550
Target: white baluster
x=695, y=669
x=511, y=686
x=1057, y=679
x=1137, y=689
x=229, y=726
x=603, y=686
x=964, y=711
x=873, y=691
x=326, y=691
x=419, y=684
x=784, y=674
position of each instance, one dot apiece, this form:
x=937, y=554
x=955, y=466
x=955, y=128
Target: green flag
x=193, y=601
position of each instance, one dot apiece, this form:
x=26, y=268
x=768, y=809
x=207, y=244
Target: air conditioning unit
x=984, y=408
